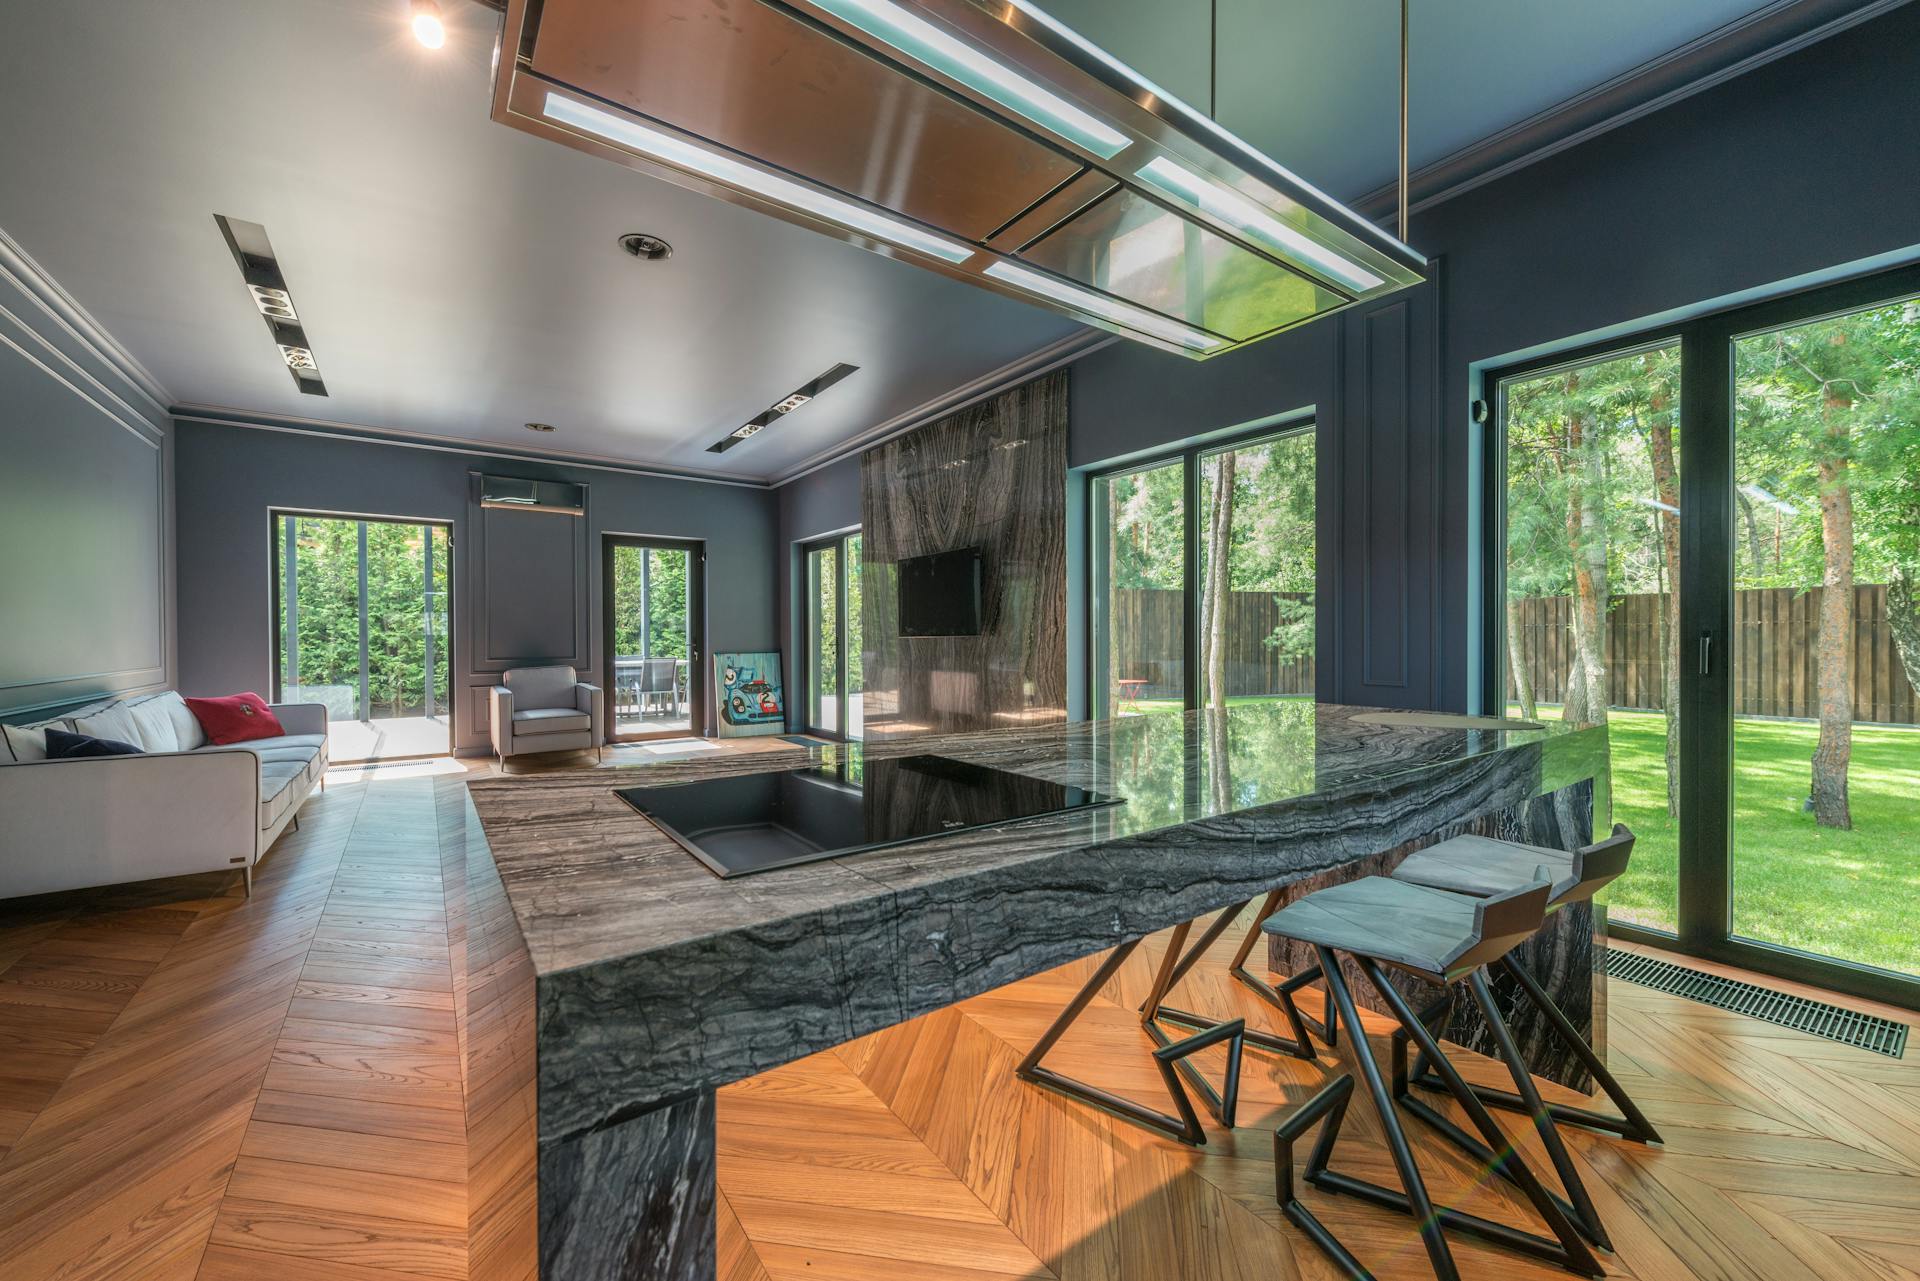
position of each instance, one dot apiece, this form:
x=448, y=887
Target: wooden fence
x=1776, y=635
x=1146, y=633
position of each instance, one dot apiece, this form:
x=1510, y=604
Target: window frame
x=1706, y=588
x=838, y=543
x=1188, y=456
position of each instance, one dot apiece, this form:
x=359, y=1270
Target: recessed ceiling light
x=644, y=247
x=427, y=27
x=682, y=154
x=267, y=290
x=539, y=426
x=780, y=408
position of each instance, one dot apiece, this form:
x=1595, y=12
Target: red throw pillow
x=237, y=718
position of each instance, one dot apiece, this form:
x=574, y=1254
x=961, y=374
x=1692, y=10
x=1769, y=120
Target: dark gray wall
x=539, y=583
x=1804, y=166
x=85, y=514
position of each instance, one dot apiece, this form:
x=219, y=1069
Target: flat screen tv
x=940, y=594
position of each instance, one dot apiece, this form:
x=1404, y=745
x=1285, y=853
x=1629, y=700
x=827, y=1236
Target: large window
x=1711, y=543
x=361, y=609
x=833, y=637
x=1203, y=577
x=654, y=592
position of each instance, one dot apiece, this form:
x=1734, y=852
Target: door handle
x=1706, y=653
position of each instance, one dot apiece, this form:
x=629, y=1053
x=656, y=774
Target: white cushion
x=187, y=734
x=551, y=720
x=113, y=722
x=152, y=725
x=23, y=744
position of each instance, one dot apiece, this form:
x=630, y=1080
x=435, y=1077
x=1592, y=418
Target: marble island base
x=613, y=991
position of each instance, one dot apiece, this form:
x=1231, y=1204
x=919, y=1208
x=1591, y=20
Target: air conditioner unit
x=520, y=494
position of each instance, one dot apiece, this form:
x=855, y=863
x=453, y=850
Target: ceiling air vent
x=267, y=288
x=981, y=140
x=517, y=493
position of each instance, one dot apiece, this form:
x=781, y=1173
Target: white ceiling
x=458, y=278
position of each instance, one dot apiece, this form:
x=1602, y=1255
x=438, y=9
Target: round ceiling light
x=428, y=29
x=539, y=426
x=644, y=247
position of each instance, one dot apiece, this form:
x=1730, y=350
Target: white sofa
x=183, y=806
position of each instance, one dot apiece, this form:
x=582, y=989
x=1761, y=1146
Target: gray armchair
x=546, y=709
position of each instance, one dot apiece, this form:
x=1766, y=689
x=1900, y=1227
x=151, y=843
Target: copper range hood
x=981, y=140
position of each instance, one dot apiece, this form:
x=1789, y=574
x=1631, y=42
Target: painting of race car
x=748, y=692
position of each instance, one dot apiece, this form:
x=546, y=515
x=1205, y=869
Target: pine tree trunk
x=1835, y=661
x=1666, y=484
x=1903, y=619
x=1219, y=548
x=1517, y=659
x=1586, y=539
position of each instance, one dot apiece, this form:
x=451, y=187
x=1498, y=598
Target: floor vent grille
x=1868, y=1031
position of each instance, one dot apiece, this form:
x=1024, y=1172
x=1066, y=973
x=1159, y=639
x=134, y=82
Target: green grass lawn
x=1852, y=894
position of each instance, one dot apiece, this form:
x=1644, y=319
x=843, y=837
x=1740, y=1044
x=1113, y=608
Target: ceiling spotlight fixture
x=539, y=426
x=427, y=27
x=780, y=408
x=267, y=288
x=644, y=247
x=711, y=164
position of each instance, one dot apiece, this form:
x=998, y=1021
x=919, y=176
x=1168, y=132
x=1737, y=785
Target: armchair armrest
x=500, y=719
x=301, y=718
x=587, y=698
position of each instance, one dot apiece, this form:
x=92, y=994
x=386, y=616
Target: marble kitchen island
x=616, y=982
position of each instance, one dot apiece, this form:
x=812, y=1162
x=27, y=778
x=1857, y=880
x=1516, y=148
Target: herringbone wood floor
x=197, y=1084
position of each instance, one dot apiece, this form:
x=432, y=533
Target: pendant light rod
x=1404, y=51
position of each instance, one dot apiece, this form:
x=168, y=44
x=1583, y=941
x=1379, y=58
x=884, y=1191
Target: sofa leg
x=296, y=822
x=249, y=875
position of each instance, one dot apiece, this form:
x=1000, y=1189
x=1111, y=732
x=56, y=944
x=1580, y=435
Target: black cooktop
x=755, y=822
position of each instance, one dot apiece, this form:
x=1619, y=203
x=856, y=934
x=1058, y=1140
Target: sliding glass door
x=833, y=637
x=1202, y=577
x=361, y=610
x=655, y=610
x=1711, y=542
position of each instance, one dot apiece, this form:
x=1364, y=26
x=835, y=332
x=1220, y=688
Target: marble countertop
x=591, y=881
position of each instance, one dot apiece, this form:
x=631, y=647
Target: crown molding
x=359, y=433
x=1045, y=360
x=1733, y=49
x=33, y=282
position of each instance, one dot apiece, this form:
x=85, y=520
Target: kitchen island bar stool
x=1481, y=866
x=1445, y=939
x=1171, y=1057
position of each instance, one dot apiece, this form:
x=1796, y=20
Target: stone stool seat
x=1482, y=866
x=1446, y=939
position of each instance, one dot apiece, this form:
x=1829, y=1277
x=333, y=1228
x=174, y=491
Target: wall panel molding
x=88, y=586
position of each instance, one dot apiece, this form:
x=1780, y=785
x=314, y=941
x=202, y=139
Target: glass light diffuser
x=1243, y=213
x=928, y=45
x=675, y=151
x=1138, y=318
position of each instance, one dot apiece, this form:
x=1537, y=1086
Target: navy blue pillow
x=62, y=746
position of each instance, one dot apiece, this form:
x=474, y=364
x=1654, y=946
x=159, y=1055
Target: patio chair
x=659, y=678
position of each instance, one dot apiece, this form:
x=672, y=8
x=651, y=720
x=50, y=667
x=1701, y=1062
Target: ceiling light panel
x=976, y=138
x=780, y=409
x=965, y=64
x=267, y=290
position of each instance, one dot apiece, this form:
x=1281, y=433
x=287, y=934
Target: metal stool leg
x=1169, y=1056
x=1571, y=1250
x=1632, y=1123
x=1281, y=998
